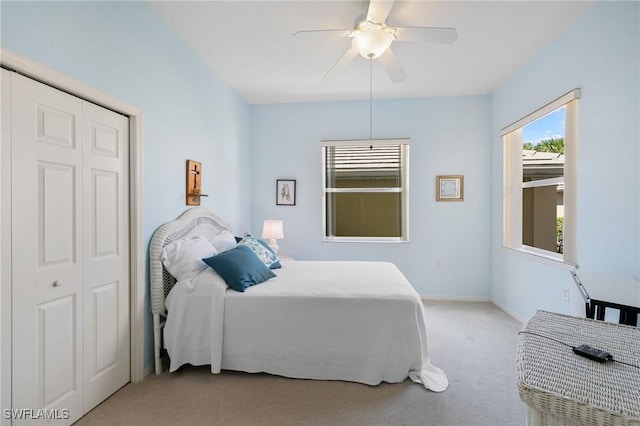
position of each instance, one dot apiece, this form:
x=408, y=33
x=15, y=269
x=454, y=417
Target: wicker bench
x=562, y=388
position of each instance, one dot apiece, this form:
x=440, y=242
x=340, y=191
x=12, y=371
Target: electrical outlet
x=438, y=264
x=565, y=293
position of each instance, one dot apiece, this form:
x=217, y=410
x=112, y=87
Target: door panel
x=57, y=222
x=56, y=349
x=104, y=304
x=105, y=140
x=105, y=213
x=47, y=287
x=56, y=126
x=106, y=253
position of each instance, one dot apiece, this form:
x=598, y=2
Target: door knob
x=57, y=283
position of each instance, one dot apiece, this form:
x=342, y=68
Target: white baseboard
x=510, y=312
x=457, y=298
x=148, y=370
x=473, y=299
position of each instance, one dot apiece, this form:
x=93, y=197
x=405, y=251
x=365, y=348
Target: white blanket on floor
x=354, y=321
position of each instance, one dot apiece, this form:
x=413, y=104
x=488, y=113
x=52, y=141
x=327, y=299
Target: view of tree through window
x=543, y=182
x=540, y=180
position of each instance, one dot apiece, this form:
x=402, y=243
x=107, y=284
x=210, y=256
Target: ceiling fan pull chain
x=371, y=102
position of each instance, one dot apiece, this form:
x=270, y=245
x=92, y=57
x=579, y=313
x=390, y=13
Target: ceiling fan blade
x=379, y=10
x=321, y=33
x=392, y=66
x=432, y=34
x=342, y=63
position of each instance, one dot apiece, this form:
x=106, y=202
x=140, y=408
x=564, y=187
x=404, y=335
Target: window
x=365, y=190
x=540, y=180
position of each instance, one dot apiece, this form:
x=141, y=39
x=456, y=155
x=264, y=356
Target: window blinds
x=382, y=160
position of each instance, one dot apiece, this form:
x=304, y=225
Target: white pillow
x=223, y=241
x=183, y=258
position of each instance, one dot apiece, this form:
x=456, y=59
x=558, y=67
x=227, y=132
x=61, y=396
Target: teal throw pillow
x=240, y=268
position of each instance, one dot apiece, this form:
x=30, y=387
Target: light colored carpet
x=473, y=342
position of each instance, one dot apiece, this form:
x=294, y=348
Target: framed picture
x=450, y=188
x=285, y=192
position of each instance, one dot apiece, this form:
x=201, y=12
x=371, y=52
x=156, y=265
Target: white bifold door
x=70, y=252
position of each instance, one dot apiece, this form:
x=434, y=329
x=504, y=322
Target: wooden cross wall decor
x=194, y=182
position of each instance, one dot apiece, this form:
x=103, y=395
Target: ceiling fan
x=372, y=38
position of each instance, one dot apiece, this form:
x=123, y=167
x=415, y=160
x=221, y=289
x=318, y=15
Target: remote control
x=592, y=353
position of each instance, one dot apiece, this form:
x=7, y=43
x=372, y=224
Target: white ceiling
x=249, y=44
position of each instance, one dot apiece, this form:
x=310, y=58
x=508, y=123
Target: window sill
x=364, y=240
x=541, y=257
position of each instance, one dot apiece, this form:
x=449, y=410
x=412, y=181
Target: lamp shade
x=272, y=229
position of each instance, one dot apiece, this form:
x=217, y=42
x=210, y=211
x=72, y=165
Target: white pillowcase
x=223, y=241
x=183, y=258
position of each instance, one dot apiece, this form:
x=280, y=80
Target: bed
x=326, y=320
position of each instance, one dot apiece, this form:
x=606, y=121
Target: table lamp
x=273, y=230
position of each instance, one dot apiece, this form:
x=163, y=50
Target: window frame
x=512, y=139
x=404, y=143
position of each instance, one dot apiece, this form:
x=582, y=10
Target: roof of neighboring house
x=537, y=164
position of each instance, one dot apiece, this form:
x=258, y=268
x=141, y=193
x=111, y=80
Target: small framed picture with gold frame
x=450, y=188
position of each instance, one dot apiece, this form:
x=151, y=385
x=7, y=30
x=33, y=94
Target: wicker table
x=562, y=388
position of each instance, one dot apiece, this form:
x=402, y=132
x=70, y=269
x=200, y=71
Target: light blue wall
x=449, y=135
x=601, y=55
x=125, y=50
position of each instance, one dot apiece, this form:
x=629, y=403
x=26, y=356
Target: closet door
x=47, y=235
x=70, y=248
x=106, y=253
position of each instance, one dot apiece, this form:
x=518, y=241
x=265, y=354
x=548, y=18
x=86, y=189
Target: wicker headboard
x=193, y=222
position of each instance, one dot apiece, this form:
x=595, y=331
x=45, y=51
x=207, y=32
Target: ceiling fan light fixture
x=371, y=39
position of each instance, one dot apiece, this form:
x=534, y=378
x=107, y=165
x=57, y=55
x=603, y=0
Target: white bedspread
x=354, y=321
